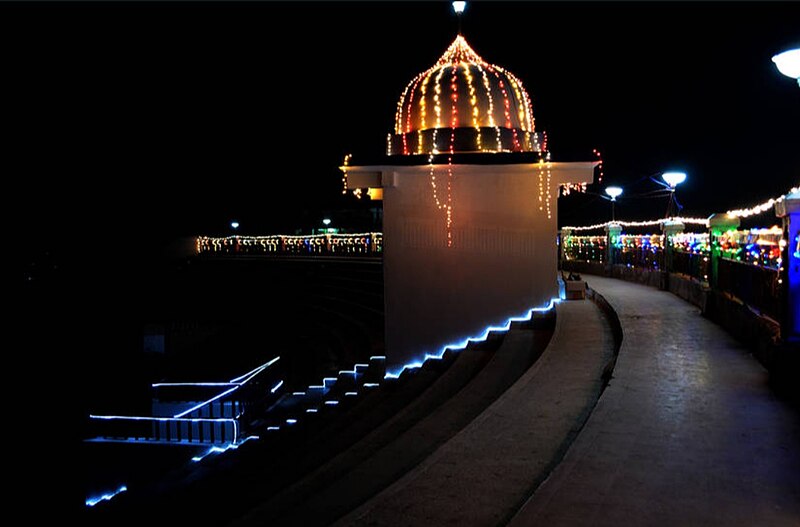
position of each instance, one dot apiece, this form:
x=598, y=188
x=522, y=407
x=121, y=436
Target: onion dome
x=463, y=105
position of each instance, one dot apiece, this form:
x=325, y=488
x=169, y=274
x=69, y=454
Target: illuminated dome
x=461, y=105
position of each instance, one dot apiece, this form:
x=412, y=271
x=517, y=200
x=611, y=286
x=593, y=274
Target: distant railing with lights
x=639, y=250
x=363, y=244
x=749, y=260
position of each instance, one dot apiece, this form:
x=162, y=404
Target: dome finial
x=459, y=7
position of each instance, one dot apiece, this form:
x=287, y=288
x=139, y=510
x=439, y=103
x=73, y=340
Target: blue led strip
x=200, y=405
x=91, y=502
x=220, y=420
x=221, y=449
x=458, y=346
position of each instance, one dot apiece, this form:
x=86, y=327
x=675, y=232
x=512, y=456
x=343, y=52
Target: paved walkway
x=486, y=472
x=687, y=433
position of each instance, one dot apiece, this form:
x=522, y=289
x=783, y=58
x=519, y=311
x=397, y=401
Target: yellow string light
x=763, y=207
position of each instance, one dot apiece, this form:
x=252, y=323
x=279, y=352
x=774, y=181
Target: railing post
x=669, y=228
x=718, y=224
x=789, y=210
x=613, y=231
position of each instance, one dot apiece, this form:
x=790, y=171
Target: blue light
x=220, y=420
x=91, y=502
x=298, y=393
x=311, y=410
x=234, y=224
x=276, y=387
x=168, y=384
x=255, y=371
x=350, y=394
x=378, y=357
x=200, y=405
x=458, y=346
x=212, y=450
x=291, y=421
x=331, y=402
x=371, y=384
x=273, y=428
x=326, y=380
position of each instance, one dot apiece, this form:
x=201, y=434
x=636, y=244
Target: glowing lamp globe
x=234, y=225
x=673, y=179
x=326, y=221
x=459, y=7
x=788, y=63
x=614, y=192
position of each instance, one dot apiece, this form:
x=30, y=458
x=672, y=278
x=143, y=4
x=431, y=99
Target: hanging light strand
x=763, y=207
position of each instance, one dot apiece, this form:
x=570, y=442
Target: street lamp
x=459, y=7
x=613, y=193
x=788, y=63
x=326, y=221
x=673, y=179
x=234, y=225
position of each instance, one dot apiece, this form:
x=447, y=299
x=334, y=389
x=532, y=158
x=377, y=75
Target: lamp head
x=788, y=63
x=459, y=7
x=674, y=179
x=614, y=192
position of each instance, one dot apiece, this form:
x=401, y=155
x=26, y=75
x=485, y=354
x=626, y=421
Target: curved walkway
x=485, y=472
x=687, y=433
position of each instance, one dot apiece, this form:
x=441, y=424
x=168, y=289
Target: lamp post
x=673, y=179
x=613, y=193
x=788, y=63
x=613, y=229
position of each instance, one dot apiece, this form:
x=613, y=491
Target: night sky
x=136, y=123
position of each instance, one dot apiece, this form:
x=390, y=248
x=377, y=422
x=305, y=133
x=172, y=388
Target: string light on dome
x=344, y=172
x=446, y=206
x=423, y=109
x=473, y=101
x=596, y=152
x=437, y=89
x=419, y=102
x=762, y=207
x=547, y=187
x=492, y=122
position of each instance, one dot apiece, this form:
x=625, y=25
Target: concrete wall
x=501, y=263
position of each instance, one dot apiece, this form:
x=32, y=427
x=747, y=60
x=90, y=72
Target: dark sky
x=151, y=120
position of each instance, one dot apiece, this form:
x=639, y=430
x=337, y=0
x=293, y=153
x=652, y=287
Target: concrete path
x=687, y=433
x=485, y=472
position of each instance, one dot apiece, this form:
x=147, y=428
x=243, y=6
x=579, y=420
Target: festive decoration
x=685, y=221
x=489, y=109
x=761, y=247
x=347, y=159
x=317, y=244
x=763, y=207
x=596, y=152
